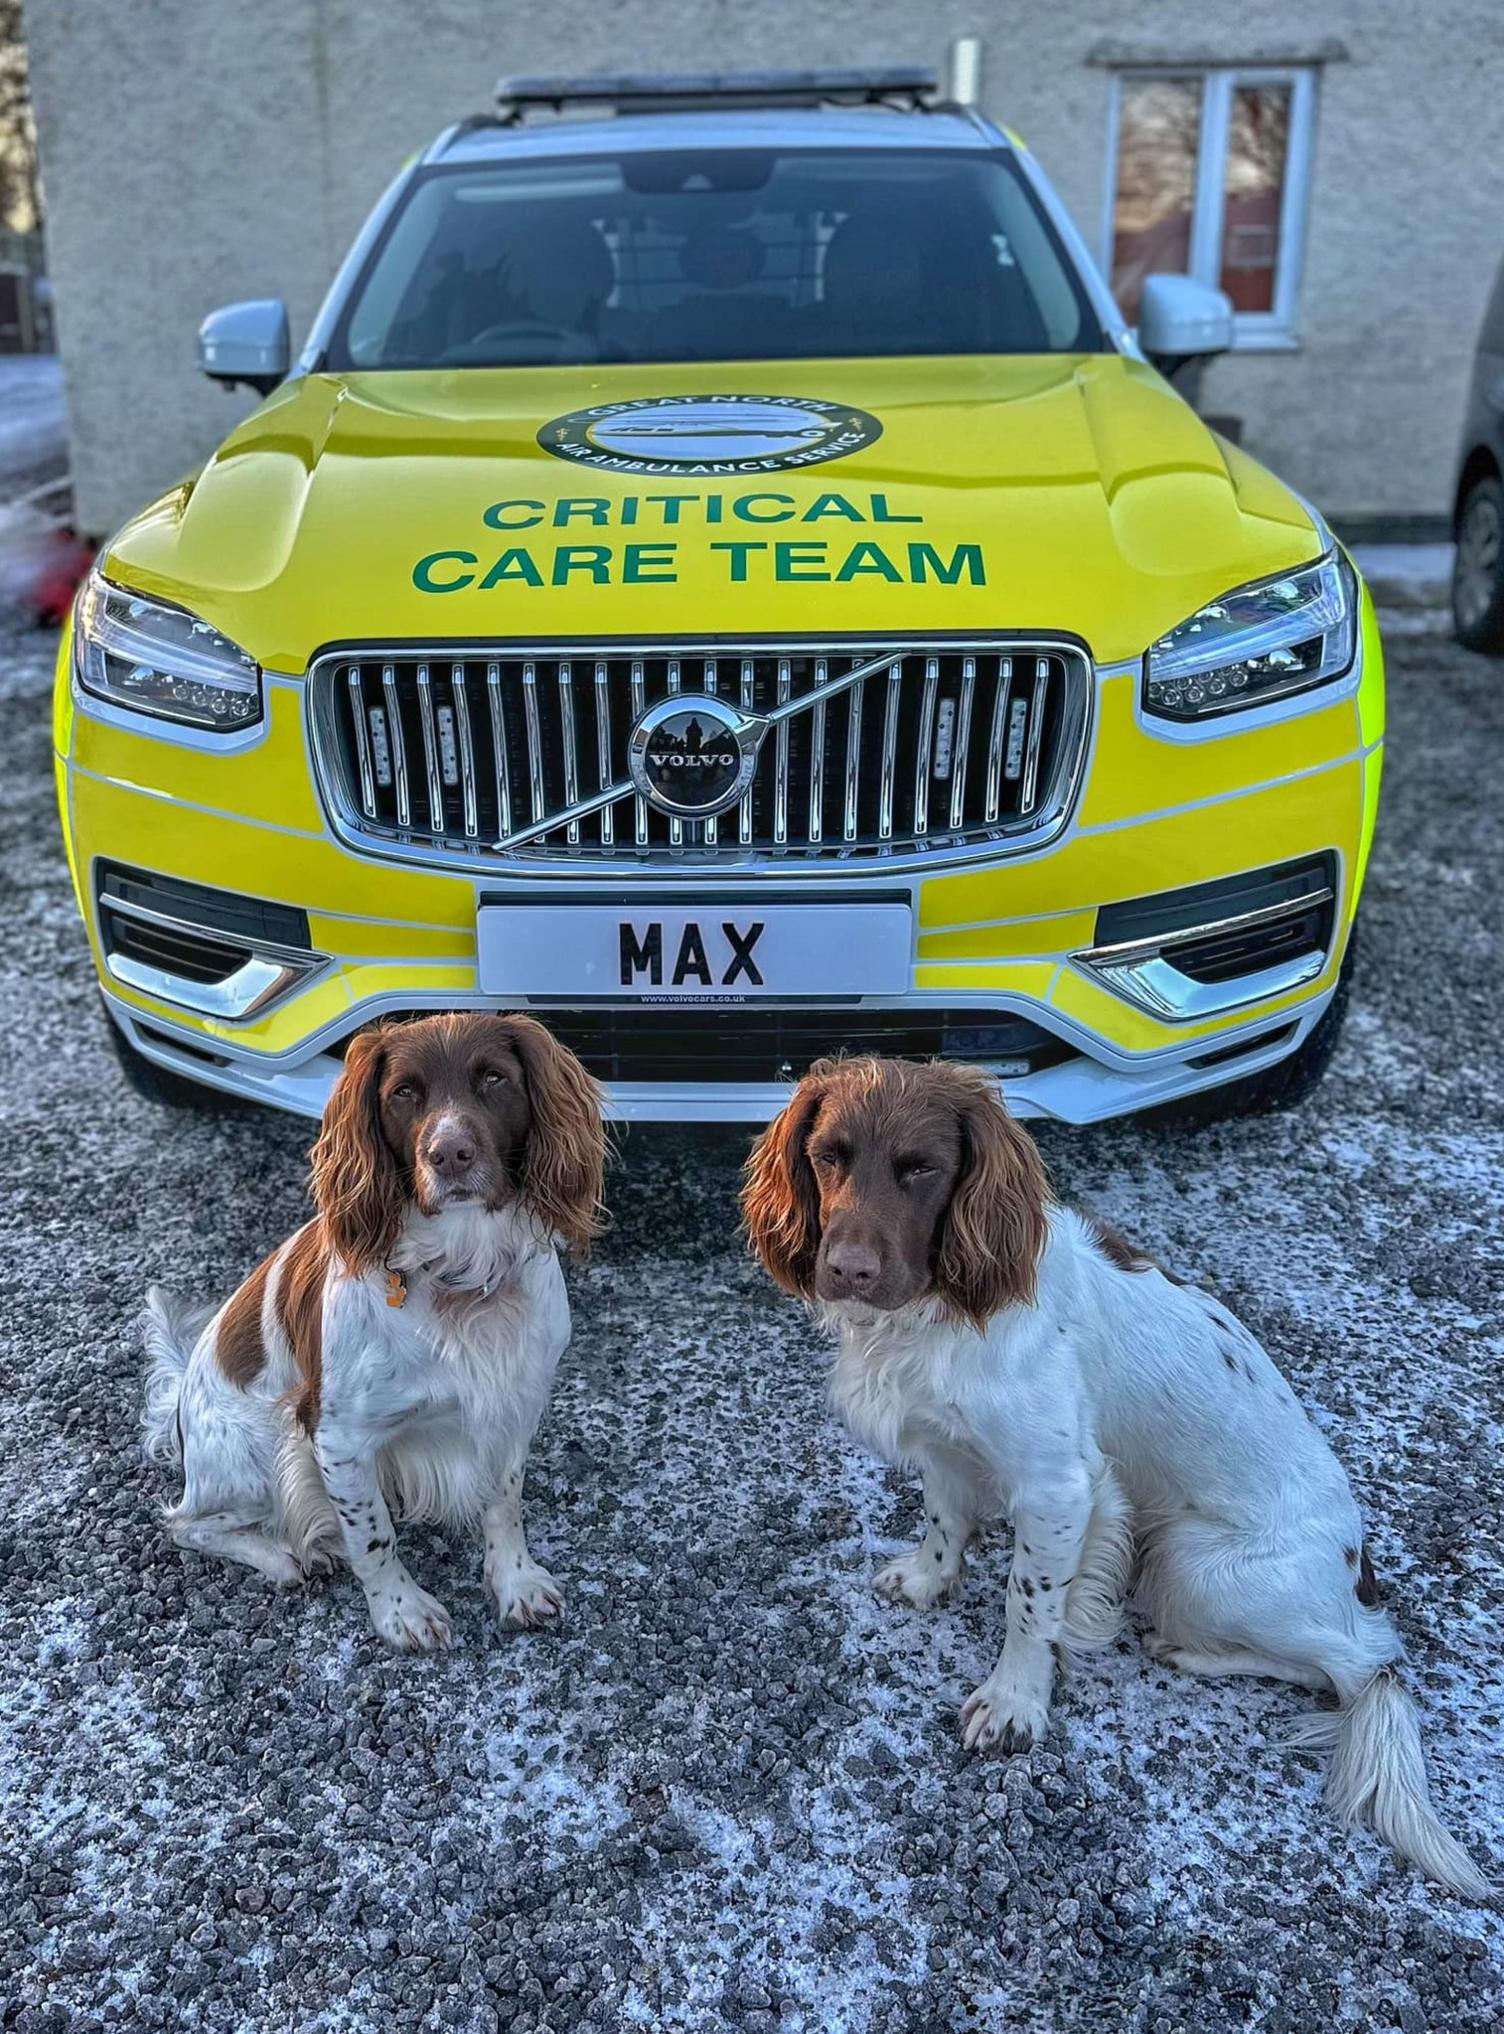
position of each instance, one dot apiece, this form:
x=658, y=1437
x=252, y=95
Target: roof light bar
x=688, y=91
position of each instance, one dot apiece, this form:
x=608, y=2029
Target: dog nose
x=856, y=1265
x=450, y=1152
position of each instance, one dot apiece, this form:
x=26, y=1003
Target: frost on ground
x=730, y=1793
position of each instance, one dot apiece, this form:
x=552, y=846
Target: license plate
x=693, y=953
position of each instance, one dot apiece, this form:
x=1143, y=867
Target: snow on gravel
x=730, y=1794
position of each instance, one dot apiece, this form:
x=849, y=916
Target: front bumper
x=1157, y=812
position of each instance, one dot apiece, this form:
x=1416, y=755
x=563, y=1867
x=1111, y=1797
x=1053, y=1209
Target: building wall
x=196, y=151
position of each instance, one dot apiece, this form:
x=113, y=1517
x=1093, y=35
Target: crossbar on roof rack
x=687, y=91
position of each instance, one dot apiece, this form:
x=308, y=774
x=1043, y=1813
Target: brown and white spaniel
x=1026, y=1361
x=400, y=1349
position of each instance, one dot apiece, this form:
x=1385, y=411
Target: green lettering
x=788, y=558
x=869, y=558
x=742, y=507
x=496, y=517
x=881, y=513
x=425, y=582
x=514, y=564
x=592, y=558
x=648, y=562
x=924, y=558
x=832, y=505
x=739, y=558
x=671, y=504
x=591, y=506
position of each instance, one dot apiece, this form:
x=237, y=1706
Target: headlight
x=1260, y=643
x=161, y=660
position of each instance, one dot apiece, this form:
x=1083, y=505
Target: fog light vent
x=211, y=951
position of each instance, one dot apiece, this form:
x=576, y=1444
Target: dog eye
x=491, y=1078
x=405, y=1091
x=907, y=1174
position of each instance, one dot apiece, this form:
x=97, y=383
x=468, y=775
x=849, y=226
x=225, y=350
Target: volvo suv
x=721, y=574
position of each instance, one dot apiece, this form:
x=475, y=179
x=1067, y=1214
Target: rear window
x=719, y=255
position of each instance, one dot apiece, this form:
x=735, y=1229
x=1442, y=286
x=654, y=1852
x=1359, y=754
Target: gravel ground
x=730, y=1795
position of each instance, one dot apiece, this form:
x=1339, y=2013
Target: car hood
x=1073, y=494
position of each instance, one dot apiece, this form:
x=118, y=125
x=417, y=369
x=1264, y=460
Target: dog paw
x=317, y=1565
x=999, y=1719
x=920, y=1584
x=408, y=1618
x=526, y=1597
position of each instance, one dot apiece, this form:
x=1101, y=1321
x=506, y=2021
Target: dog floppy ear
x=780, y=1201
x=357, y=1187
x=995, y=1227
x=563, y=1167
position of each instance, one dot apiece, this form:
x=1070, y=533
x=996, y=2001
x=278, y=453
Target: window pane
x=717, y=254
x=1258, y=138
x=1159, y=127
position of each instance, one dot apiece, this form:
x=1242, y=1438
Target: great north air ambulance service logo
x=717, y=434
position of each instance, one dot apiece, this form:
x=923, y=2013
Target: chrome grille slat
x=470, y=809
x=817, y=757
x=1030, y=785
x=356, y=684
x=430, y=751
x=534, y=738
x=499, y=749
x=924, y=762
x=853, y=756
x=675, y=826
x=748, y=697
x=960, y=754
x=890, y=754
x=781, y=757
x=603, y=746
x=571, y=760
x=997, y=739
x=709, y=678
x=871, y=749
x=639, y=700
x=398, y=745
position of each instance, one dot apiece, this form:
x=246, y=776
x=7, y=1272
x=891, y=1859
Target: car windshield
x=728, y=254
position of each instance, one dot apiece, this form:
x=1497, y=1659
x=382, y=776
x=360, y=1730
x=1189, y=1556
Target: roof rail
x=913, y=85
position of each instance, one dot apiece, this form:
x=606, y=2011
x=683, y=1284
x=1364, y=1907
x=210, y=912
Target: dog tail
x=169, y=1329
x=1378, y=1776
x=1099, y=1588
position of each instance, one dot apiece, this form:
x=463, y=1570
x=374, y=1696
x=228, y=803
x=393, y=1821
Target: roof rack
x=913, y=85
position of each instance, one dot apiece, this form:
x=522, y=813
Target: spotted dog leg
x=932, y=1573
x=1011, y=1708
x=524, y=1594
x=405, y=1615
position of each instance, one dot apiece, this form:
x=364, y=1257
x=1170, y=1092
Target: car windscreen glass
x=715, y=255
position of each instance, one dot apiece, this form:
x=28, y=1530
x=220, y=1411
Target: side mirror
x=247, y=342
x=1180, y=320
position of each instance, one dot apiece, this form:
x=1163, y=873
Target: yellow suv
x=722, y=576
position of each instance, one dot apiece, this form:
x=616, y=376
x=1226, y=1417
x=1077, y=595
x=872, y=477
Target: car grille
x=489, y=757
x=751, y=1044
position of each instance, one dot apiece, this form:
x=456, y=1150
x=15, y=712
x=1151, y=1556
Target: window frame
x=1274, y=330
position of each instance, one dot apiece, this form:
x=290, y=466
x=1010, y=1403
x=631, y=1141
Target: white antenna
x=966, y=70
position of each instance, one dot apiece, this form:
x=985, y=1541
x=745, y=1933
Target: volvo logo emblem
x=710, y=435
x=692, y=755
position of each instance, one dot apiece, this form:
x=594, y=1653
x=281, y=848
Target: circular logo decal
x=693, y=755
x=710, y=434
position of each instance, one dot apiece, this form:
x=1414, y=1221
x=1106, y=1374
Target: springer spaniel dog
x=400, y=1349
x=1028, y=1361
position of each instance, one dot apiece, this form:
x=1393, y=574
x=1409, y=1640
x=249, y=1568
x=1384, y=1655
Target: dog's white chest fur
x=463, y=1366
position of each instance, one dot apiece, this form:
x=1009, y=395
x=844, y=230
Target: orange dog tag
x=396, y=1289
